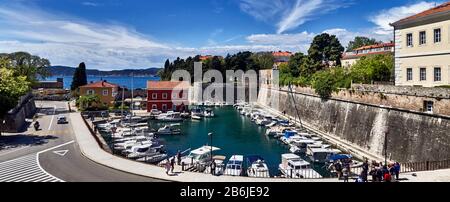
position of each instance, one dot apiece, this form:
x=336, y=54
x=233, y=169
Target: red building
x=168, y=95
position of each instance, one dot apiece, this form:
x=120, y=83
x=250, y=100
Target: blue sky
x=116, y=34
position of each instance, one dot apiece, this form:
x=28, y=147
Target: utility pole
x=211, y=136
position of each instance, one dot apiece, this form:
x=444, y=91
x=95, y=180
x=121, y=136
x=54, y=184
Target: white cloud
x=281, y=39
x=88, y=3
x=383, y=18
x=289, y=14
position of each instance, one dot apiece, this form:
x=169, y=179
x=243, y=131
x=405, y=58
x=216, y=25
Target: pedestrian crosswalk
x=24, y=169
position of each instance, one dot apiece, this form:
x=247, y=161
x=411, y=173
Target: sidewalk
x=92, y=151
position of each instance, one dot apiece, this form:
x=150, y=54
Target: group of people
x=378, y=171
x=170, y=163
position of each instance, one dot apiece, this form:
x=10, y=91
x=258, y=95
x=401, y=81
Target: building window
x=174, y=96
x=154, y=96
x=437, y=35
x=409, y=74
x=422, y=38
x=90, y=92
x=164, y=95
x=164, y=107
x=409, y=40
x=154, y=106
x=174, y=107
x=105, y=92
x=428, y=106
x=437, y=74
x=423, y=74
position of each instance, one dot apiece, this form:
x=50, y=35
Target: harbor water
x=233, y=133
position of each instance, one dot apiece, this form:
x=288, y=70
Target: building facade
x=281, y=57
x=422, y=48
x=168, y=95
x=350, y=58
x=107, y=92
x=58, y=84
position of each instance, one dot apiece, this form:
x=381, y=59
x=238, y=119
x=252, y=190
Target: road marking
x=3, y=154
x=25, y=168
x=53, y=116
x=61, y=152
x=28, y=169
x=56, y=147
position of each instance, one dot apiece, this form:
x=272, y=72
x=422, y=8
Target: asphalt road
x=52, y=154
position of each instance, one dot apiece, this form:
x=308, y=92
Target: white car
x=62, y=120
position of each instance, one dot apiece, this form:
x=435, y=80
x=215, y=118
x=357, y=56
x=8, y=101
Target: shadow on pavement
x=14, y=141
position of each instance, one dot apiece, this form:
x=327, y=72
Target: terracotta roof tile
x=382, y=45
x=100, y=84
x=282, y=54
x=154, y=85
x=438, y=9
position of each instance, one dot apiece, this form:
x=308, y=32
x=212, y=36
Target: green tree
x=361, y=41
x=87, y=102
x=11, y=88
x=264, y=60
x=373, y=68
x=79, y=77
x=325, y=48
x=31, y=66
x=324, y=84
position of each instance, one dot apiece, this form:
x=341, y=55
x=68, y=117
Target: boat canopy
x=336, y=157
x=204, y=150
x=289, y=133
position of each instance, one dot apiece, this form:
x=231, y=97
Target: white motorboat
x=234, y=166
x=292, y=166
x=153, y=159
x=208, y=113
x=201, y=155
x=170, y=117
x=169, y=130
x=130, y=143
x=319, y=155
x=220, y=166
x=195, y=117
x=155, y=112
x=197, y=112
x=258, y=168
x=142, y=151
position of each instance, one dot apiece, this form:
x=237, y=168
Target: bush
x=324, y=84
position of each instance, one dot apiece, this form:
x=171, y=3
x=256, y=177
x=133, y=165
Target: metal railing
x=424, y=166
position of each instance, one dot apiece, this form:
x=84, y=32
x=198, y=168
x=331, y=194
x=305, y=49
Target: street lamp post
x=211, y=135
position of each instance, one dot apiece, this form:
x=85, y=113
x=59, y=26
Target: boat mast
x=132, y=93
x=123, y=97
x=295, y=105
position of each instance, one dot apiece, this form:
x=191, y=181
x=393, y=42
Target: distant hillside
x=68, y=71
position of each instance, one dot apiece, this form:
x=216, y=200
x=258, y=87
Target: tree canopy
x=11, y=87
x=31, y=66
x=325, y=48
x=361, y=41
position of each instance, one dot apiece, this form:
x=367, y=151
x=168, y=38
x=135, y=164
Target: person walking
x=338, y=167
x=365, y=170
x=345, y=173
x=167, y=165
x=172, y=164
x=213, y=168
x=178, y=157
x=397, y=170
